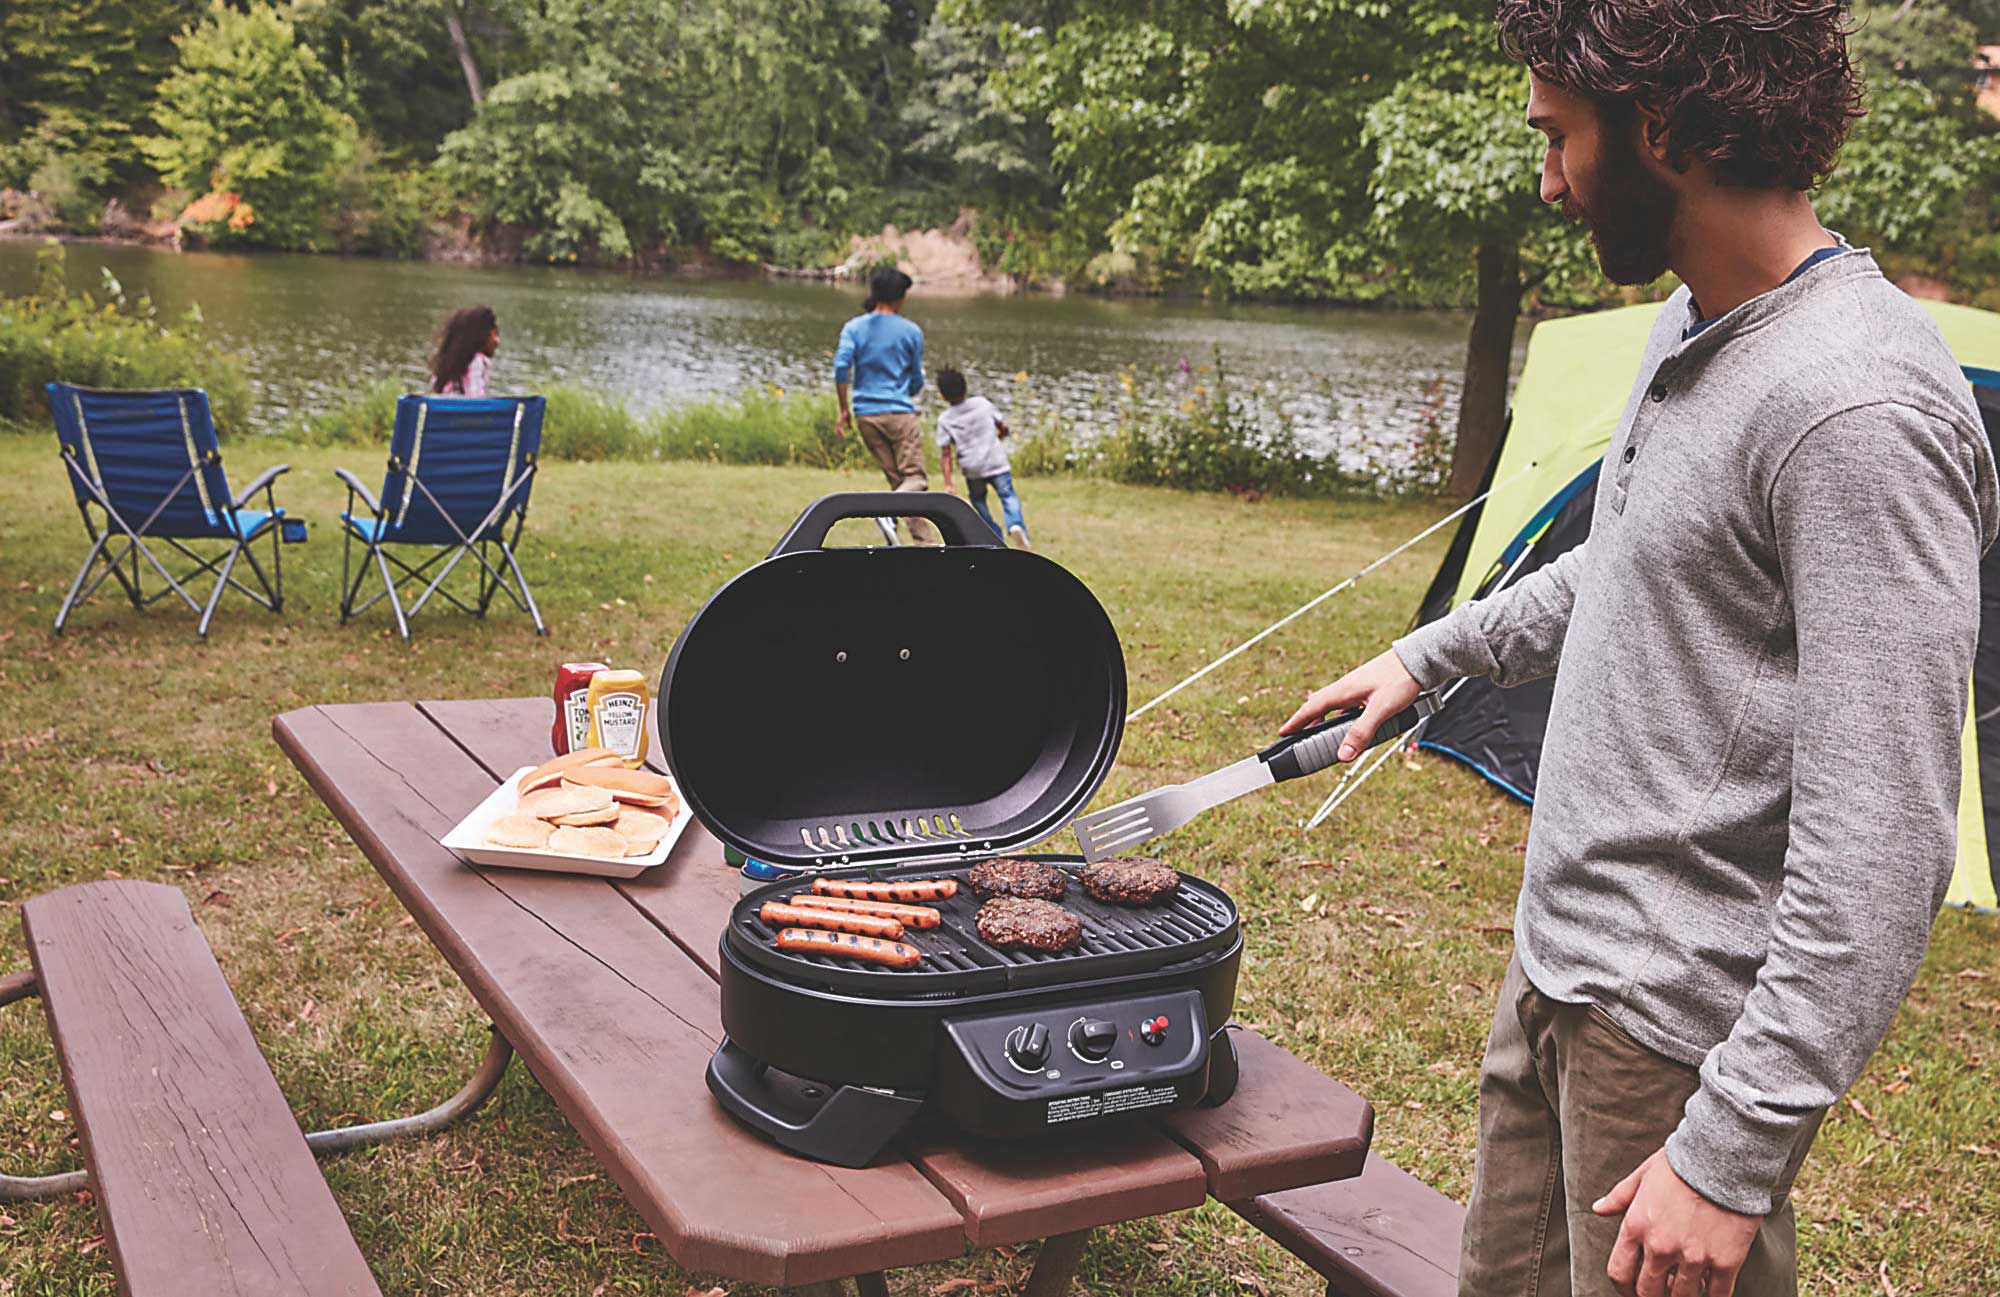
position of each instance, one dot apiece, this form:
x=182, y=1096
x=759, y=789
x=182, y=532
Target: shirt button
x=1658, y=392
x=1631, y=453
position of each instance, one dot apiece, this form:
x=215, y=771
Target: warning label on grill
x=1110, y=1103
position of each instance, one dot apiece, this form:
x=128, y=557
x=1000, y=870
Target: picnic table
x=608, y=991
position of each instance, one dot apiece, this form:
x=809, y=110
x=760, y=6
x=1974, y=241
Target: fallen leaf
x=951, y=1285
x=407, y=920
x=637, y=1250
x=1253, y=1283
x=562, y=1230
x=1859, y=1107
x=1972, y=974
x=216, y=897
x=1883, y=1273
x=89, y=1245
x=287, y=935
x=1979, y=1149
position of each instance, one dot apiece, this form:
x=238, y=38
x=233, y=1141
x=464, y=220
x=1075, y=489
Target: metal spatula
x=1117, y=829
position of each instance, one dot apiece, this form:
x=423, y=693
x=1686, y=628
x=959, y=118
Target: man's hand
x=1382, y=687
x=1673, y=1240
x=843, y=422
x=1000, y=428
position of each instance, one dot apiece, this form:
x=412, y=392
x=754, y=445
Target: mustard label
x=621, y=719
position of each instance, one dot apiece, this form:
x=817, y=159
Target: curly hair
x=1760, y=89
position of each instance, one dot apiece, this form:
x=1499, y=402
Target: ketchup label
x=576, y=718
x=620, y=719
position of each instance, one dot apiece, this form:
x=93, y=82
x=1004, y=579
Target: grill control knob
x=1028, y=1047
x=1093, y=1038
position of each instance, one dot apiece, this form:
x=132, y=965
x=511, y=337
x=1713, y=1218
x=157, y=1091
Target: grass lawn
x=1375, y=944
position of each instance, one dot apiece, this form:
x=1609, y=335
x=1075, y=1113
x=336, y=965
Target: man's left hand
x=1673, y=1241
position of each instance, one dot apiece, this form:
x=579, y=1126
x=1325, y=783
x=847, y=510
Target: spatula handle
x=1318, y=746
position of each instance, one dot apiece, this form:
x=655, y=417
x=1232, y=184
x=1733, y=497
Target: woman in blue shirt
x=878, y=369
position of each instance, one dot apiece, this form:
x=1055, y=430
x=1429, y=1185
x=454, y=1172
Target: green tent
x=1567, y=404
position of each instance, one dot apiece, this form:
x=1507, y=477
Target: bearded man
x=1745, y=819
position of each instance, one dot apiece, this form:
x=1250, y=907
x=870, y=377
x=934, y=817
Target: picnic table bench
x=608, y=990
x=202, y=1177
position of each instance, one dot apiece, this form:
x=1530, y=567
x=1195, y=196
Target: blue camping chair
x=460, y=470
x=147, y=460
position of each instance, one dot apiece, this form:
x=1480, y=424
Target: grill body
x=942, y=1036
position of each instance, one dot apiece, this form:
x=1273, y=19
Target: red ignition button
x=1155, y=1031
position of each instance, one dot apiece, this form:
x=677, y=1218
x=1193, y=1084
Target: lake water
x=1357, y=384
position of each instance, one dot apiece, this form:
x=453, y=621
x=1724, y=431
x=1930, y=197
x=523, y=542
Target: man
x=1746, y=819
x=880, y=357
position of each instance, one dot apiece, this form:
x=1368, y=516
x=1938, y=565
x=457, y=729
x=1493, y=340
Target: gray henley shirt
x=1747, y=808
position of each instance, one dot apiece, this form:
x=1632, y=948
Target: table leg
x=871, y=1285
x=1056, y=1267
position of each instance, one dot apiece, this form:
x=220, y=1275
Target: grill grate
x=1116, y=940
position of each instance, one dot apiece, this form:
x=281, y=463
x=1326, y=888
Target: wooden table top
x=608, y=991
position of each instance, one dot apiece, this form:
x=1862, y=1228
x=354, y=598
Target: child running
x=973, y=428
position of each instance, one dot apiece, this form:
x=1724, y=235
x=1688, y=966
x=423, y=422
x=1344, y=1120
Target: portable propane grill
x=906, y=713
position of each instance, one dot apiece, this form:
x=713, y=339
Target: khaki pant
x=1568, y=1105
x=897, y=442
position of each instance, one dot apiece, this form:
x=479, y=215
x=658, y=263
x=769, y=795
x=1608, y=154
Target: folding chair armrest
x=356, y=487
x=262, y=483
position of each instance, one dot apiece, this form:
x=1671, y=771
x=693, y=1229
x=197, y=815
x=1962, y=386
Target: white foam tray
x=467, y=840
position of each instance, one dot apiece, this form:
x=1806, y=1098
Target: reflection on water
x=313, y=329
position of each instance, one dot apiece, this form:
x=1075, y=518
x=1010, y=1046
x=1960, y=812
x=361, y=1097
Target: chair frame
x=491, y=579
x=115, y=526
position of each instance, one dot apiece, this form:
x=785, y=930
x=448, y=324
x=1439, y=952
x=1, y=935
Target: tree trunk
x=465, y=60
x=1482, y=404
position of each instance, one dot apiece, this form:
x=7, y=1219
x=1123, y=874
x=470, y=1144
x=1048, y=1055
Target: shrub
x=764, y=426
x=248, y=118
x=101, y=339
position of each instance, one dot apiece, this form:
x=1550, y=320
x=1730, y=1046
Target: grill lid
x=1200, y=920
x=841, y=707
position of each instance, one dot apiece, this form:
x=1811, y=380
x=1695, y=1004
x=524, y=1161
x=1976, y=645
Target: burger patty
x=1033, y=924
x=1024, y=879
x=1130, y=880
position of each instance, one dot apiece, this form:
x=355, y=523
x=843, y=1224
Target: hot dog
x=910, y=916
x=780, y=915
x=870, y=950
x=903, y=889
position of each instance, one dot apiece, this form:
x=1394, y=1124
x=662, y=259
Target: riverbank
x=1374, y=944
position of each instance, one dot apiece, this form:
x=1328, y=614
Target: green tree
x=960, y=127
x=573, y=156
x=248, y=111
x=397, y=63
x=76, y=83
x=1919, y=178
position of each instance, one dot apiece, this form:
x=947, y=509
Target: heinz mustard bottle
x=617, y=706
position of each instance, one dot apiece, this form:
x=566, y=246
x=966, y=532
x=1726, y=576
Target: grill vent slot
x=885, y=831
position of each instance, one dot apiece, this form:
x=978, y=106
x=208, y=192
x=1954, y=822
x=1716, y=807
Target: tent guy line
x=1342, y=791
x=1317, y=600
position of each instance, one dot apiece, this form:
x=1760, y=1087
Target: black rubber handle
x=955, y=519
x=844, y=1125
x=1318, y=746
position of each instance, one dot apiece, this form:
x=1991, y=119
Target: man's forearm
x=1511, y=636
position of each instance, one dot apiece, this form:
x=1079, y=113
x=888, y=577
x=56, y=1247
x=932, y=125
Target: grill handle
x=954, y=518
x=845, y=1125
x=1318, y=746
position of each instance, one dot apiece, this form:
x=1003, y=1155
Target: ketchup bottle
x=571, y=732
